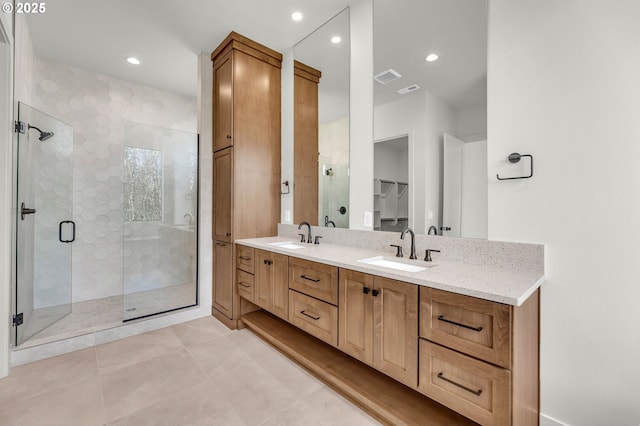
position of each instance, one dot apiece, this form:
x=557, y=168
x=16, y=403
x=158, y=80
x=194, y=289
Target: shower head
x=43, y=135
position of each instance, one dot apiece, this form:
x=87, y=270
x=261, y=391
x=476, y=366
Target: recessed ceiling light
x=297, y=16
x=431, y=57
x=133, y=61
x=336, y=39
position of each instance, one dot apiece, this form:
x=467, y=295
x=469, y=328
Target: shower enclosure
x=104, y=234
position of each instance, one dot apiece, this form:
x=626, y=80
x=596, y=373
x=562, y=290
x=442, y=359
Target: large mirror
x=430, y=116
x=321, y=125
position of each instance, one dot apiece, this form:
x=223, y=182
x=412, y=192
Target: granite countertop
x=482, y=281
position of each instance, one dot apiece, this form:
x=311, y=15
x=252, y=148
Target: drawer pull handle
x=443, y=319
x=315, y=280
x=245, y=258
x=315, y=318
x=475, y=392
x=245, y=285
x=221, y=244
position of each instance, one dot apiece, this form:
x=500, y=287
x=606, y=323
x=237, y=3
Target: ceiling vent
x=408, y=89
x=387, y=76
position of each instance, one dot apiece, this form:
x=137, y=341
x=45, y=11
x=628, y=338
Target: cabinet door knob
x=375, y=293
x=366, y=290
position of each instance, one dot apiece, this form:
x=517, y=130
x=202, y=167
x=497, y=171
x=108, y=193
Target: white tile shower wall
x=98, y=107
x=333, y=144
x=514, y=256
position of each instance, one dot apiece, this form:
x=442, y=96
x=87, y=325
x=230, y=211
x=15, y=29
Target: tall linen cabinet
x=246, y=158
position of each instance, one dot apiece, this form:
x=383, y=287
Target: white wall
x=391, y=163
x=473, y=217
x=425, y=119
x=361, y=114
x=471, y=123
x=6, y=191
x=564, y=85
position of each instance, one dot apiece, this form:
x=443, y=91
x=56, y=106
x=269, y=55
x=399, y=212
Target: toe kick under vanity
x=453, y=343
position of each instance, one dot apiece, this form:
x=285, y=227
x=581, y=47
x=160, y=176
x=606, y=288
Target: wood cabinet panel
x=279, y=286
x=245, y=258
x=223, y=293
x=262, y=279
x=246, y=144
x=245, y=285
x=271, y=283
x=474, y=326
x=317, y=318
x=395, y=325
x=223, y=103
x=223, y=195
x=356, y=315
x=315, y=279
x=473, y=388
x=305, y=147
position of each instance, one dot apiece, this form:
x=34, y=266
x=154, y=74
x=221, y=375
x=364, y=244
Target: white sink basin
x=388, y=263
x=287, y=245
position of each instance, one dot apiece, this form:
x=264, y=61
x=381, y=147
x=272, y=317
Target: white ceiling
x=317, y=51
x=406, y=31
x=167, y=35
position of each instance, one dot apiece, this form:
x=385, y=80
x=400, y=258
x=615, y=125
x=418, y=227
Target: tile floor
x=196, y=373
x=100, y=314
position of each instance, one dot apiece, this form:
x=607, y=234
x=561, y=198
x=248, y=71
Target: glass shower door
x=160, y=220
x=44, y=227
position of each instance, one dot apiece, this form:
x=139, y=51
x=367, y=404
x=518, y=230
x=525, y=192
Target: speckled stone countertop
x=487, y=282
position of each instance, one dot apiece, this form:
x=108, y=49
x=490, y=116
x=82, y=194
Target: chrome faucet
x=190, y=218
x=309, y=238
x=434, y=229
x=413, y=242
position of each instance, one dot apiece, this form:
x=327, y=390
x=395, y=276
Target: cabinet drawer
x=314, y=279
x=477, y=327
x=317, y=318
x=473, y=388
x=245, y=284
x=244, y=258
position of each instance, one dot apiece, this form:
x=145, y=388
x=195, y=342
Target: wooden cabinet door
x=222, y=194
x=279, y=294
x=223, y=277
x=356, y=315
x=223, y=103
x=263, y=278
x=395, y=325
x=305, y=147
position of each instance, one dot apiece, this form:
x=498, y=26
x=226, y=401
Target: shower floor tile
x=100, y=314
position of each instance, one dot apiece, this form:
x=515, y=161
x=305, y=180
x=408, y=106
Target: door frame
x=6, y=188
x=410, y=135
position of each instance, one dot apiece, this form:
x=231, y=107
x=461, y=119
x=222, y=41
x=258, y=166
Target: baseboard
x=550, y=421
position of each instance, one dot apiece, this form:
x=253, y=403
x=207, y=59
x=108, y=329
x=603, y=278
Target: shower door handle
x=73, y=228
x=25, y=210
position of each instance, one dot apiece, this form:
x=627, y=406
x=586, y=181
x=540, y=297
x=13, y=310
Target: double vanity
x=465, y=335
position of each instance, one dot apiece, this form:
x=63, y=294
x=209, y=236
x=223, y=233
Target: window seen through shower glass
x=142, y=185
